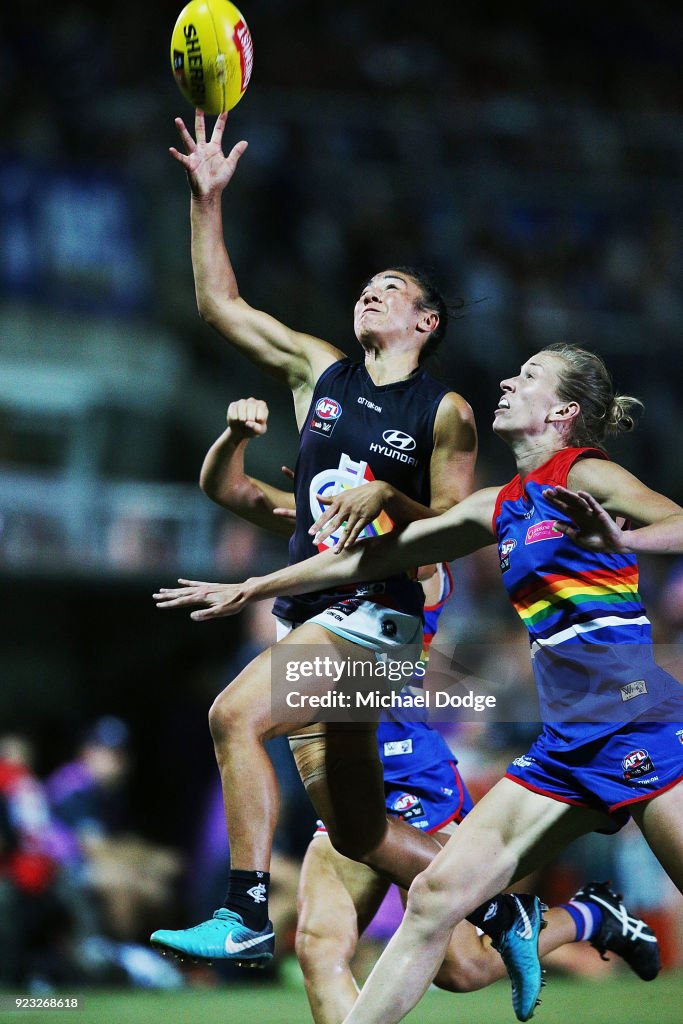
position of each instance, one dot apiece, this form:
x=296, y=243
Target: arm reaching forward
x=458, y=532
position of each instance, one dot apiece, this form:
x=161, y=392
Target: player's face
x=388, y=308
x=529, y=401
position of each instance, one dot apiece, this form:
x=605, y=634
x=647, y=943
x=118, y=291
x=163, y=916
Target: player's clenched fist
x=247, y=417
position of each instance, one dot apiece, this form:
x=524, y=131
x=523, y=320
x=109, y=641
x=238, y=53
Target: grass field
x=620, y=1000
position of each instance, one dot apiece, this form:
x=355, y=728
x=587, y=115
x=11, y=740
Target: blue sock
x=586, y=916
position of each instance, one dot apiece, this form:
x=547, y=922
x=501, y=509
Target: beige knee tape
x=309, y=755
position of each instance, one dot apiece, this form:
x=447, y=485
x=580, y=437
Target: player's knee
x=430, y=901
x=228, y=717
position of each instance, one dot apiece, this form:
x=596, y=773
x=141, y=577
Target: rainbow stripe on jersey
x=560, y=591
x=591, y=640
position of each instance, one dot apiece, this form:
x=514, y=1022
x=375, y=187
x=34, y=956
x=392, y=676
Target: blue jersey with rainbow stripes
x=591, y=640
x=356, y=431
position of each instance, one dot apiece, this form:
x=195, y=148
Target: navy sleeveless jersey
x=357, y=431
x=591, y=640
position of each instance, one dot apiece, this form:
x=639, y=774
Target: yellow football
x=211, y=55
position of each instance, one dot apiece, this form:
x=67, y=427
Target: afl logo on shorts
x=324, y=419
x=408, y=806
x=328, y=409
x=637, y=763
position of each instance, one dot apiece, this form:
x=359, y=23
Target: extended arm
x=455, y=533
x=599, y=490
x=296, y=358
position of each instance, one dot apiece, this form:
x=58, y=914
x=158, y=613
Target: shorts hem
x=646, y=796
x=457, y=815
x=546, y=793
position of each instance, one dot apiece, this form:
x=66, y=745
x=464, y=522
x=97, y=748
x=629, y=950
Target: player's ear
x=428, y=322
x=565, y=413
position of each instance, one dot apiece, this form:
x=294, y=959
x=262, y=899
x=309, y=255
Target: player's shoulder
x=456, y=408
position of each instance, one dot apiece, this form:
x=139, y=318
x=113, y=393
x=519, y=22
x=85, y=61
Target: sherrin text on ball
x=211, y=55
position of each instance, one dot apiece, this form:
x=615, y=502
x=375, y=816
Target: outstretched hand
x=208, y=169
x=214, y=599
x=592, y=527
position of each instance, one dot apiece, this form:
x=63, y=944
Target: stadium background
x=530, y=158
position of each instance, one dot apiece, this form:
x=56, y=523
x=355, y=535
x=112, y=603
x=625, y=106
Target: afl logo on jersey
x=324, y=419
x=398, y=439
x=328, y=409
x=505, y=549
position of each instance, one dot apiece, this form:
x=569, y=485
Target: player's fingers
x=199, y=126
x=235, y=154
x=334, y=526
x=344, y=536
x=285, y=513
x=180, y=157
x=353, y=534
x=189, y=142
x=326, y=525
x=219, y=128
x=593, y=504
x=323, y=520
x=216, y=611
x=289, y=473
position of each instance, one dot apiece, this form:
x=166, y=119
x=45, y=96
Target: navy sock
x=495, y=916
x=248, y=897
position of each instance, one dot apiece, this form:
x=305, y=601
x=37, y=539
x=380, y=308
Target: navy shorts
x=634, y=763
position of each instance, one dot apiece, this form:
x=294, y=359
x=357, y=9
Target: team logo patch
x=679, y=733
x=324, y=419
x=524, y=761
x=504, y=550
x=543, y=531
x=408, y=806
x=635, y=689
x=637, y=764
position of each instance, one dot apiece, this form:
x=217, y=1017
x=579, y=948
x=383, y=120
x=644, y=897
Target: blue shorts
x=429, y=800
x=634, y=763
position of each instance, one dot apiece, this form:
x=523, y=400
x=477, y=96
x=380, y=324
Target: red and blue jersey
x=591, y=639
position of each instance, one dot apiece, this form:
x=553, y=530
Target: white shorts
x=387, y=632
